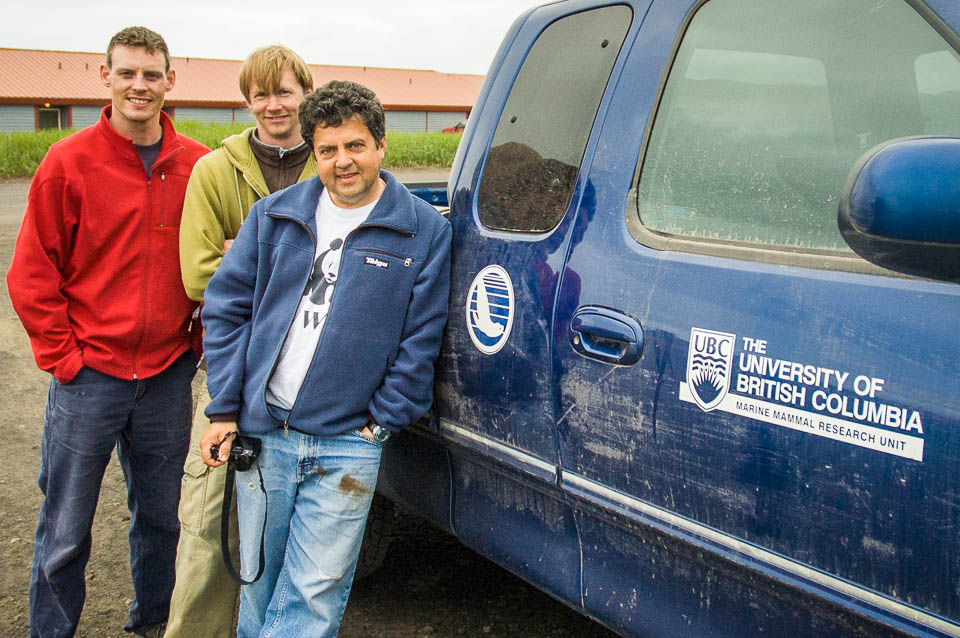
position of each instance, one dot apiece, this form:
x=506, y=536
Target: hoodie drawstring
x=236, y=180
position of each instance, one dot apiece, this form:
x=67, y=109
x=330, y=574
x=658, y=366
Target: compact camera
x=244, y=452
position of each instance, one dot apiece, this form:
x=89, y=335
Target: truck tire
x=377, y=536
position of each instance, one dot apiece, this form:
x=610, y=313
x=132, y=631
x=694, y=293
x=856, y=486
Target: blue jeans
x=148, y=420
x=319, y=492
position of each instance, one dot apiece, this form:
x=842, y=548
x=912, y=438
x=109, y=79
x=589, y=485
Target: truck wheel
x=377, y=535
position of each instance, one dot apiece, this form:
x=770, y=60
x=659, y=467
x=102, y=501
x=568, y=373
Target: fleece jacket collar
x=124, y=145
x=395, y=208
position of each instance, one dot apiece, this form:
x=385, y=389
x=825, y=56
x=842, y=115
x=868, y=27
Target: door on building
x=49, y=118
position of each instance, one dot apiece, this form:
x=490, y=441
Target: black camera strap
x=225, y=525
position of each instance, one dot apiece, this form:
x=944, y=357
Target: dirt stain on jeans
x=353, y=487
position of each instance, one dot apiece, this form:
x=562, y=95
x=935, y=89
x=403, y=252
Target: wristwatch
x=380, y=434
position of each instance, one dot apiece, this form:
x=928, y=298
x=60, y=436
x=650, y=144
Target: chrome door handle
x=606, y=335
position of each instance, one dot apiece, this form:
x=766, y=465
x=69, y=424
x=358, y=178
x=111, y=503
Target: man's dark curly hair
x=336, y=102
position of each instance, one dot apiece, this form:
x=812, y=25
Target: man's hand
x=222, y=433
x=366, y=432
x=226, y=245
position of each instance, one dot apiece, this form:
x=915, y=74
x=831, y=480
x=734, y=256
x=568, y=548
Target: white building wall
x=16, y=117
x=84, y=116
x=222, y=116
x=406, y=121
x=439, y=120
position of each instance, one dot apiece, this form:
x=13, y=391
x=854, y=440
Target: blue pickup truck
x=701, y=375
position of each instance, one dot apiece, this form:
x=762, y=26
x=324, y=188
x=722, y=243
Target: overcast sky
x=453, y=37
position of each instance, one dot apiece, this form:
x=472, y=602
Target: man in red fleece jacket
x=96, y=282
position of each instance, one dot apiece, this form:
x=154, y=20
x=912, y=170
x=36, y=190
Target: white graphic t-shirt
x=333, y=226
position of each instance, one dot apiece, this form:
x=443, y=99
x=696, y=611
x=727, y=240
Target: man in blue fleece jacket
x=323, y=322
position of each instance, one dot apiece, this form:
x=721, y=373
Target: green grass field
x=20, y=153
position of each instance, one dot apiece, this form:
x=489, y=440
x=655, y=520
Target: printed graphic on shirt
x=314, y=305
x=320, y=286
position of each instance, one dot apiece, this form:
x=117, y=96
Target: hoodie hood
x=240, y=155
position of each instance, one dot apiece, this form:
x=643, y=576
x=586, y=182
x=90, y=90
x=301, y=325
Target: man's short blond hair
x=142, y=37
x=264, y=67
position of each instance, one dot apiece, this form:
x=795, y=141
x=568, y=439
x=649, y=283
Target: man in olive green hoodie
x=223, y=186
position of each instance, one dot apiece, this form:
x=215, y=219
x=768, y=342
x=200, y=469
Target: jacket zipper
x=407, y=261
x=163, y=197
x=147, y=246
x=253, y=188
x=276, y=359
x=148, y=222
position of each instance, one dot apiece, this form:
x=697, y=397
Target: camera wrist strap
x=225, y=527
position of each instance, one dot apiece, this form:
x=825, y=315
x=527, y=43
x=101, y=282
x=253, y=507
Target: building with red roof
x=61, y=89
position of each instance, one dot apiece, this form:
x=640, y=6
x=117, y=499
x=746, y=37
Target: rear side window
x=538, y=145
x=768, y=105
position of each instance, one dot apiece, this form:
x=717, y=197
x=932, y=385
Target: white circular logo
x=490, y=309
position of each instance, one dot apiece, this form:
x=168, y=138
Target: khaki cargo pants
x=204, y=601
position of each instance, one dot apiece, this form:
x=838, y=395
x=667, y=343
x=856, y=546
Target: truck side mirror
x=901, y=207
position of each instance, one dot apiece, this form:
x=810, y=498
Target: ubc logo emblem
x=490, y=306
x=709, y=362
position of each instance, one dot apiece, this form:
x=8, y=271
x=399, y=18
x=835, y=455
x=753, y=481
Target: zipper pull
x=408, y=261
x=163, y=195
x=286, y=427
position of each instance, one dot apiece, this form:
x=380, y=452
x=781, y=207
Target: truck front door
x=512, y=217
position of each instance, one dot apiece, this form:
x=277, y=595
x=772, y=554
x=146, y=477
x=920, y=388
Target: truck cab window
x=768, y=105
x=532, y=166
